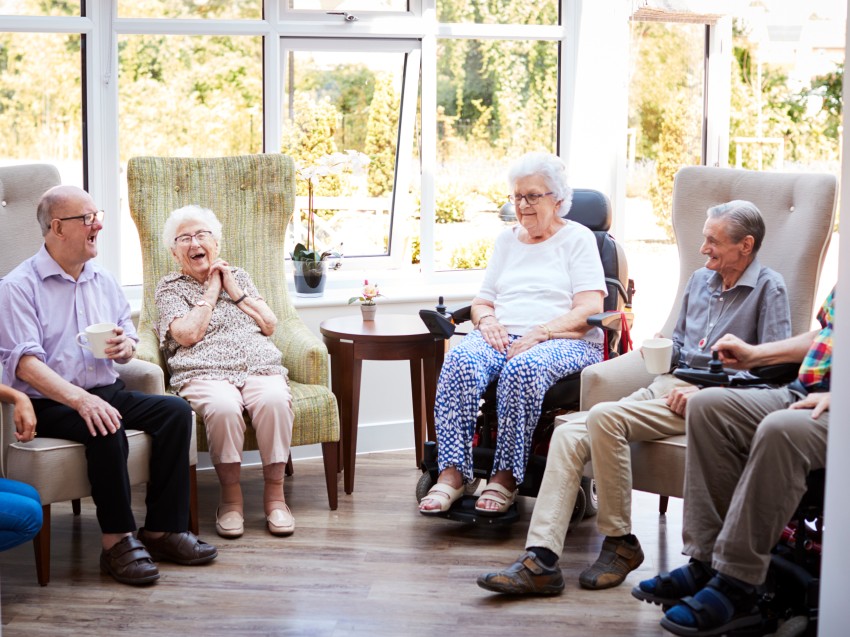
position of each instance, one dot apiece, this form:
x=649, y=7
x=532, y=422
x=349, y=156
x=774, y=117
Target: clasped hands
x=221, y=277
x=495, y=335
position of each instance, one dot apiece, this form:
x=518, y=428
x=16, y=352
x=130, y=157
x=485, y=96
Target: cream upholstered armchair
x=55, y=467
x=253, y=196
x=799, y=212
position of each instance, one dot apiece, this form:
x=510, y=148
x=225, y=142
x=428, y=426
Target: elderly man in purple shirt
x=44, y=303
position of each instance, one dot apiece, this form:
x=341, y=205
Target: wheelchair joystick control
x=441, y=307
x=714, y=365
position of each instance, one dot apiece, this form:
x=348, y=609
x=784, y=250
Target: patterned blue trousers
x=523, y=380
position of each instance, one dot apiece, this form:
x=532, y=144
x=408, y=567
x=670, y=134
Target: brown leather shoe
x=527, y=576
x=182, y=548
x=129, y=563
x=617, y=559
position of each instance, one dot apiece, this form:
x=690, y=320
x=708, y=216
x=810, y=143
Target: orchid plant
x=367, y=295
x=352, y=161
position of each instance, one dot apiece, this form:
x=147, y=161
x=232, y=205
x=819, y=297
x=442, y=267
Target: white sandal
x=495, y=492
x=443, y=493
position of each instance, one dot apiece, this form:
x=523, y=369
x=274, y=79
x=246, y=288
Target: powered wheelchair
x=593, y=210
x=789, y=598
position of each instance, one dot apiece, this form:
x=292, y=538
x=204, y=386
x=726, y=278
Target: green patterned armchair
x=253, y=196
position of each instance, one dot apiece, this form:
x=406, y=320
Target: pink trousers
x=220, y=403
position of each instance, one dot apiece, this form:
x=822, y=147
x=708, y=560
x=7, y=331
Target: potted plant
x=308, y=263
x=367, y=297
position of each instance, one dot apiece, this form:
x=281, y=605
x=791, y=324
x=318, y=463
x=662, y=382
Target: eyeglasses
x=531, y=198
x=186, y=239
x=88, y=219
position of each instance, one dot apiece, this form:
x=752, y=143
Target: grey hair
x=191, y=212
x=551, y=168
x=44, y=212
x=744, y=219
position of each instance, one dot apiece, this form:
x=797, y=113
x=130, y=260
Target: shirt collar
x=46, y=266
x=749, y=278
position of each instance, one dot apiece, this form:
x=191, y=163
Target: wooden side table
x=390, y=337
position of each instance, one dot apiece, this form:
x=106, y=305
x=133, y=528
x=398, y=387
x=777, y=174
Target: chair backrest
x=798, y=211
x=21, y=187
x=591, y=208
x=252, y=195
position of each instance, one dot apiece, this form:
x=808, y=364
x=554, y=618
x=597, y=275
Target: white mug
x=95, y=337
x=657, y=354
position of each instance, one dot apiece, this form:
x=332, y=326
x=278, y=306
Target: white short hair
x=192, y=212
x=554, y=173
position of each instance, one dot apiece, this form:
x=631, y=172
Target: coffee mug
x=657, y=354
x=95, y=337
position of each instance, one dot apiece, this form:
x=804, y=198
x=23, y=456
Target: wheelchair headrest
x=590, y=208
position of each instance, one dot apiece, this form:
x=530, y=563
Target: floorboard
x=373, y=567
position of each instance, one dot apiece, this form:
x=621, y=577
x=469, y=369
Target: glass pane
x=40, y=7
x=498, y=11
x=189, y=96
x=215, y=9
x=666, y=96
x=349, y=106
x=496, y=100
x=41, y=102
x=351, y=6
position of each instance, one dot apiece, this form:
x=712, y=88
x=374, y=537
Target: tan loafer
x=229, y=525
x=281, y=522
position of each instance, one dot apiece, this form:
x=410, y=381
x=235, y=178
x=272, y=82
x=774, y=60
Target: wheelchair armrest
x=461, y=314
x=611, y=320
x=780, y=374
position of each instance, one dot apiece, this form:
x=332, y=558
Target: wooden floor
x=373, y=567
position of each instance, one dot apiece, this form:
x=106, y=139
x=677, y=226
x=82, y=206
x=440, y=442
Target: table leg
x=345, y=382
x=432, y=366
x=419, y=417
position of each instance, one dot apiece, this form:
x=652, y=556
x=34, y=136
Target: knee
x=702, y=405
x=600, y=423
x=31, y=515
x=221, y=408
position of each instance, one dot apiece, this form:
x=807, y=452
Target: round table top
x=385, y=327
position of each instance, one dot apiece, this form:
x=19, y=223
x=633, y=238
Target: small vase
x=368, y=312
x=310, y=277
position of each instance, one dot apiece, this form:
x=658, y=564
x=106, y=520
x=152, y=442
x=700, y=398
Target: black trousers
x=168, y=420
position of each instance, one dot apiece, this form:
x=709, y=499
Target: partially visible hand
x=120, y=347
x=677, y=400
x=494, y=334
x=213, y=282
x=733, y=352
x=525, y=343
x=818, y=402
x=24, y=419
x=228, y=281
x=101, y=417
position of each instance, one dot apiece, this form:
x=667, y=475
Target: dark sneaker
x=527, y=576
x=667, y=589
x=722, y=606
x=617, y=559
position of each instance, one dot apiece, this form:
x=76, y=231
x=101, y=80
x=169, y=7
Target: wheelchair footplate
x=464, y=511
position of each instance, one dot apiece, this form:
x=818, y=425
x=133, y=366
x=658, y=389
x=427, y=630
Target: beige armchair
x=253, y=196
x=799, y=211
x=55, y=467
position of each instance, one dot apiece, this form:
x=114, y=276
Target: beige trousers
x=220, y=403
x=641, y=416
x=644, y=415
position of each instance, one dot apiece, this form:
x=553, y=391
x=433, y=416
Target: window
x=212, y=9
x=41, y=105
x=347, y=96
x=181, y=95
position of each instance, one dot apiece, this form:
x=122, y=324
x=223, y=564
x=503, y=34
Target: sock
x=549, y=558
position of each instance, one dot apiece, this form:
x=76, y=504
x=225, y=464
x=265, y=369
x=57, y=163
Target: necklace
x=709, y=325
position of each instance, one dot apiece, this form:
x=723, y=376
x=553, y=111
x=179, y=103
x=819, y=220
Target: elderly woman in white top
x=543, y=281
x=214, y=330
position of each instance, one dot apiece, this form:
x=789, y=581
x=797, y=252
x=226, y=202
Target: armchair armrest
x=142, y=376
x=610, y=320
x=304, y=354
x=148, y=348
x=613, y=379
